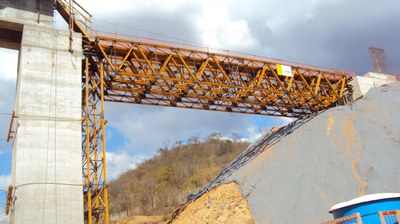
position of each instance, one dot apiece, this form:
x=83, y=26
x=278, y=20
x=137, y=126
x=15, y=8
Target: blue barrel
x=368, y=207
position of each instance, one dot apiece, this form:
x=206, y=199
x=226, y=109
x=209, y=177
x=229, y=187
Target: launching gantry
x=166, y=75
x=149, y=72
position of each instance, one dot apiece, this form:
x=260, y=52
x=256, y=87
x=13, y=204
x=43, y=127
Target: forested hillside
x=158, y=185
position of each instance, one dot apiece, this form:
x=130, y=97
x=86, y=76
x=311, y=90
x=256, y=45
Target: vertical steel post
x=86, y=148
x=94, y=147
x=103, y=144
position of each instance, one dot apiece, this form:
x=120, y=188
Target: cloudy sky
x=329, y=33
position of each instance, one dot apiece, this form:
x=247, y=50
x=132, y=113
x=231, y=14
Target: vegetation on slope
x=158, y=185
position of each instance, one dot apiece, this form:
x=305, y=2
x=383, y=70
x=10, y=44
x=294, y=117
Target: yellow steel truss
x=93, y=146
x=165, y=74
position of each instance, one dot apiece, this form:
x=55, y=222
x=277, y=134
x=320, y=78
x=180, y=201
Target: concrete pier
x=47, y=161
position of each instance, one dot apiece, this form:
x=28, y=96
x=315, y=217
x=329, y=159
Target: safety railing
x=389, y=217
x=77, y=17
x=79, y=13
x=351, y=219
x=386, y=217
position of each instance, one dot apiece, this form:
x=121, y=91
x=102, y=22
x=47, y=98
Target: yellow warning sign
x=284, y=70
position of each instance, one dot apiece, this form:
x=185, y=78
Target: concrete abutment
x=47, y=158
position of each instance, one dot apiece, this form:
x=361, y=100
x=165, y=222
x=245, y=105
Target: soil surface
x=223, y=204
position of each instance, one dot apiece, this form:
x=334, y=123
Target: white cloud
x=8, y=74
x=3, y=218
x=218, y=29
x=286, y=120
x=254, y=133
x=146, y=128
x=8, y=64
x=119, y=162
x=5, y=181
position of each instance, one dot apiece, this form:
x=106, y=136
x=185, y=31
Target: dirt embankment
x=223, y=204
x=139, y=219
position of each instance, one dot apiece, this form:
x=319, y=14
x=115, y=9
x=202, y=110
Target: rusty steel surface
x=168, y=75
x=9, y=203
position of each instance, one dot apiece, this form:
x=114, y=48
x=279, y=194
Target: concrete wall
x=15, y=13
x=361, y=84
x=34, y=12
x=47, y=162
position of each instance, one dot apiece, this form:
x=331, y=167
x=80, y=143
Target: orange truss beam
x=148, y=73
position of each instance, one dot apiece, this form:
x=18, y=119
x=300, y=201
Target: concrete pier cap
x=46, y=152
x=361, y=84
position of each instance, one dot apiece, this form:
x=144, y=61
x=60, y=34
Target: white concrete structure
x=37, y=12
x=47, y=161
x=361, y=84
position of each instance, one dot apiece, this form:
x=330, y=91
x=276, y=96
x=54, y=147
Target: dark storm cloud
x=354, y=28
x=174, y=25
x=333, y=34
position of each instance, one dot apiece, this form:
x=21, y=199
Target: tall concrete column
x=47, y=160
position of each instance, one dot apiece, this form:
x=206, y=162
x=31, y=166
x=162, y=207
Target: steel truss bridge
x=148, y=72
